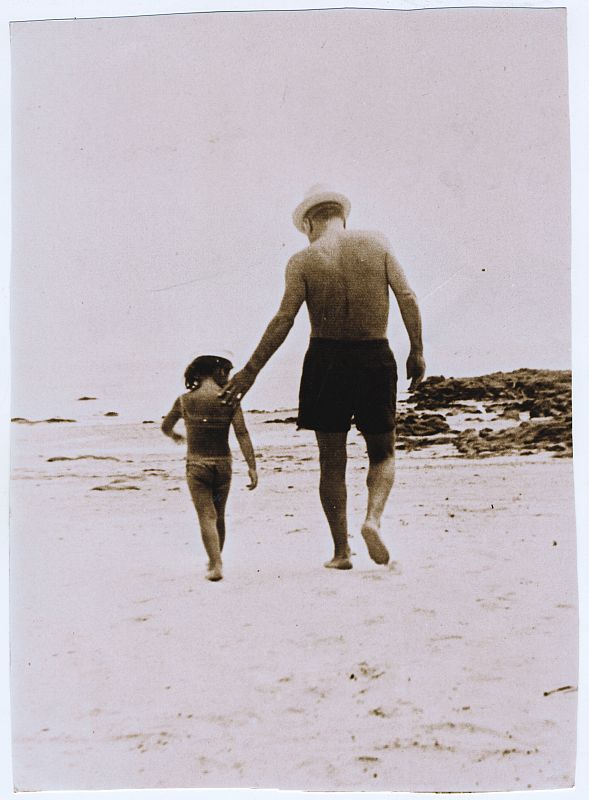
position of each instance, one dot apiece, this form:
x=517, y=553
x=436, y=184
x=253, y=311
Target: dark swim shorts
x=344, y=380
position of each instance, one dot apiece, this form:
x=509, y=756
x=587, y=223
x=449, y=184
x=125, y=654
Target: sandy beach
x=453, y=669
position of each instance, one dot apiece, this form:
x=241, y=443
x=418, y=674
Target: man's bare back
x=343, y=277
x=346, y=288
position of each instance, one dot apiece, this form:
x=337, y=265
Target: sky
x=157, y=161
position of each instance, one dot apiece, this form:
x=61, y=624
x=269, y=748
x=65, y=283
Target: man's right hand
x=237, y=387
x=415, y=369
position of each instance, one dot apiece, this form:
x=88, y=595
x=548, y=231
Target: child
x=208, y=462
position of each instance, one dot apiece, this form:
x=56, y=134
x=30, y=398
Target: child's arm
x=245, y=443
x=171, y=419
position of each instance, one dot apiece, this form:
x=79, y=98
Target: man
x=349, y=371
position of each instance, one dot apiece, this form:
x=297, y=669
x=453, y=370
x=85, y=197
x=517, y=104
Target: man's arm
x=273, y=337
x=411, y=318
x=171, y=419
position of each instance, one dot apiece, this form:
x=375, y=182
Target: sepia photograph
x=292, y=502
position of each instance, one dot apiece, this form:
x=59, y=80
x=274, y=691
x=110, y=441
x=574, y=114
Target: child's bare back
x=207, y=421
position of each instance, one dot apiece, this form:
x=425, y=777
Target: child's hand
x=178, y=438
x=253, y=479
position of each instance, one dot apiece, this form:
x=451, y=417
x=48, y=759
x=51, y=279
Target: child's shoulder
x=205, y=397
x=189, y=397
x=186, y=396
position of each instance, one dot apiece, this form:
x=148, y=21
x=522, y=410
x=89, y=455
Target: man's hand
x=239, y=384
x=253, y=478
x=415, y=369
x=177, y=437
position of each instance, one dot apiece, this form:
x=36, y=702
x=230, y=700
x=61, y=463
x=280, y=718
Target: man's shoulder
x=300, y=256
x=296, y=263
x=373, y=240
x=368, y=237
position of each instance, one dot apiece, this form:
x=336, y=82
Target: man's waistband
x=347, y=344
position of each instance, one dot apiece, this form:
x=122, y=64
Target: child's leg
x=202, y=497
x=220, y=495
x=220, y=501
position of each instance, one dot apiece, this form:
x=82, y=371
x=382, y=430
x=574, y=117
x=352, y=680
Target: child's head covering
x=205, y=365
x=217, y=352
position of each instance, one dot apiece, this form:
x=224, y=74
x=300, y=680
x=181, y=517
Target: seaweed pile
x=533, y=405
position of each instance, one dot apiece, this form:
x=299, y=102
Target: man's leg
x=332, y=491
x=381, y=475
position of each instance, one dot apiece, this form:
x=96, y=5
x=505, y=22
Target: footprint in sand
x=378, y=712
x=320, y=693
x=148, y=741
x=330, y=640
x=117, y=485
x=368, y=759
x=445, y=638
x=369, y=672
x=81, y=458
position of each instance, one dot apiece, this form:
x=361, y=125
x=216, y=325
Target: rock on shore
x=543, y=397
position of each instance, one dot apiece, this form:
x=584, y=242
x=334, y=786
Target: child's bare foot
x=339, y=562
x=376, y=548
x=214, y=573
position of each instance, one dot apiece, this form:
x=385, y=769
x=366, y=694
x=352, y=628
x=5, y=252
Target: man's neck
x=334, y=225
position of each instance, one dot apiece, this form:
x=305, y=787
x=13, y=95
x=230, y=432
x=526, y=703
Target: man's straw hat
x=315, y=196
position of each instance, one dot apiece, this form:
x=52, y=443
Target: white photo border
x=578, y=43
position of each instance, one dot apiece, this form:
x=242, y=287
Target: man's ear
x=307, y=226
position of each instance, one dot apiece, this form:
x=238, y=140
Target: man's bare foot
x=376, y=548
x=214, y=573
x=339, y=562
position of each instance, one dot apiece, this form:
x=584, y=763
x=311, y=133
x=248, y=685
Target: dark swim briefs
x=208, y=472
x=348, y=379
